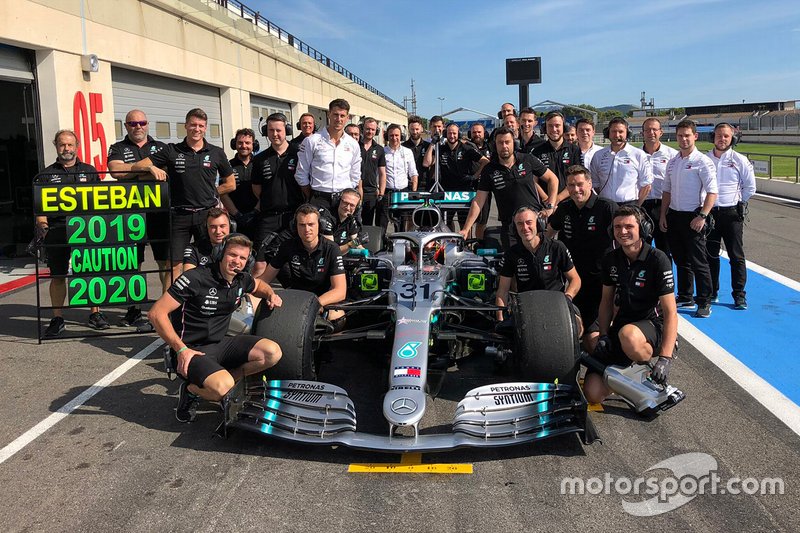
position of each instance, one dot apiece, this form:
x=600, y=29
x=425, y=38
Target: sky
x=599, y=52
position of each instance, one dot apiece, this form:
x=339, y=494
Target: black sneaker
x=683, y=301
x=187, y=404
x=714, y=298
x=143, y=325
x=131, y=317
x=97, y=320
x=740, y=303
x=55, y=328
x=703, y=311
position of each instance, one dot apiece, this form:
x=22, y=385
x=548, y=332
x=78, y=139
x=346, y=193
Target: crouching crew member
x=199, y=305
x=638, y=283
x=315, y=264
x=537, y=263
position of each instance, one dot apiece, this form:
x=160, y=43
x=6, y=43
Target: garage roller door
x=166, y=102
x=261, y=107
x=14, y=64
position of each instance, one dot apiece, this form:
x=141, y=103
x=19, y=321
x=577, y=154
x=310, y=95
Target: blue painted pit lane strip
x=763, y=337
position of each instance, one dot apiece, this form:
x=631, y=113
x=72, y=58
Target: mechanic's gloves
x=603, y=347
x=660, y=370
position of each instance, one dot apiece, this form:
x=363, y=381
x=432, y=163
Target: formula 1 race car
x=422, y=304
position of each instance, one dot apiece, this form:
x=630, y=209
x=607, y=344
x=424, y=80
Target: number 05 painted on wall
x=88, y=129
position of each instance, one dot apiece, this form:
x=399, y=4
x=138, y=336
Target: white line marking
x=779, y=198
x=32, y=434
x=774, y=276
x=774, y=400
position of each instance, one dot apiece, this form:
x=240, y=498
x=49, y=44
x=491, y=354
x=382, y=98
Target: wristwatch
x=702, y=215
x=548, y=205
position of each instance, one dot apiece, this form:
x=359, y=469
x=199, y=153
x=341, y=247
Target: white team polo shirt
x=659, y=160
x=588, y=154
x=400, y=167
x=735, y=178
x=619, y=176
x=327, y=167
x=689, y=179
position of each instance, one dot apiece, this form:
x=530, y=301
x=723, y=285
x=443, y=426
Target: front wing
x=489, y=416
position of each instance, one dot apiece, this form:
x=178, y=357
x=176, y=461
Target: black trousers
x=382, y=216
x=653, y=208
x=588, y=298
x=689, y=251
x=369, y=208
x=729, y=228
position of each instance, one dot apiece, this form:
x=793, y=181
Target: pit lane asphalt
x=122, y=462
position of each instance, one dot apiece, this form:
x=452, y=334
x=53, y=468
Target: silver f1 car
x=423, y=303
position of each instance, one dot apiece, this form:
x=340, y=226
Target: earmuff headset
x=218, y=251
x=617, y=120
x=277, y=117
x=548, y=116
x=500, y=113
x=370, y=119
x=734, y=138
x=646, y=224
x=288, y=126
x=313, y=209
x=250, y=133
x=541, y=223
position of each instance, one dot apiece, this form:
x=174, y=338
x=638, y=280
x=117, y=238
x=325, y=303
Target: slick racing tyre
x=546, y=342
x=292, y=327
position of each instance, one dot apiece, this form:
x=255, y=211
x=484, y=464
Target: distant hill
x=622, y=108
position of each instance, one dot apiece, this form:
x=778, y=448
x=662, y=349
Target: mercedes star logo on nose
x=404, y=406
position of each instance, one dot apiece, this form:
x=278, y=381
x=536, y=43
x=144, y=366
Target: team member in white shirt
x=659, y=154
x=690, y=190
x=621, y=172
x=401, y=172
x=737, y=183
x=329, y=161
x=585, y=130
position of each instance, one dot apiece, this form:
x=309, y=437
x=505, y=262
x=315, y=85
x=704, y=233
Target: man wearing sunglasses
x=137, y=145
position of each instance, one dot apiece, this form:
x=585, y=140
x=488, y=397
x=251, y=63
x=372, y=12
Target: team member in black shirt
x=582, y=223
x=419, y=148
x=274, y=186
x=512, y=178
x=638, y=283
x=241, y=203
x=537, y=262
x=477, y=136
x=341, y=226
x=192, y=167
x=373, y=170
x=528, y=139
x=199, y=254
x=67, y=169
x=315, y=263
x=199, y=305
x=136, y=146
x=557, y=154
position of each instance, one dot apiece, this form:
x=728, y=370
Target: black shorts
x=158, y=229
x=228, y=354
x=652, y=332
x=57, y=256
x=186, y=225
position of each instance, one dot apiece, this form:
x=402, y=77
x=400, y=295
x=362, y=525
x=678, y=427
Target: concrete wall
x=785, y=189
x=193, y=40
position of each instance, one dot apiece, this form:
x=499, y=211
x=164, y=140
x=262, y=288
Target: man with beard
x=241, y=203
x=621, y=172
x=477, y=135
x=456, y=163
x=418, y=147
x=512, y=177
x=67, y=169
x=373, y=171
x=557, y=154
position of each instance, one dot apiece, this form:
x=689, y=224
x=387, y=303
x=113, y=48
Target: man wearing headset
x=329, y=160
x=737, y=184
x=341, y=225
x=477, y=135
x=512, y=178
x=556, y=153
x=418, y=147
x=306, y=126
x=621, y=172
x=373, y=172
x=315, y=263
x=199, y=305
x=241, y=203
x=199, y=253
x=275, y=186
x=537, y=263
x=638, y=319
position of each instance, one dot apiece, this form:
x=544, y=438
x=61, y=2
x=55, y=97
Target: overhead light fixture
x=90, y=63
